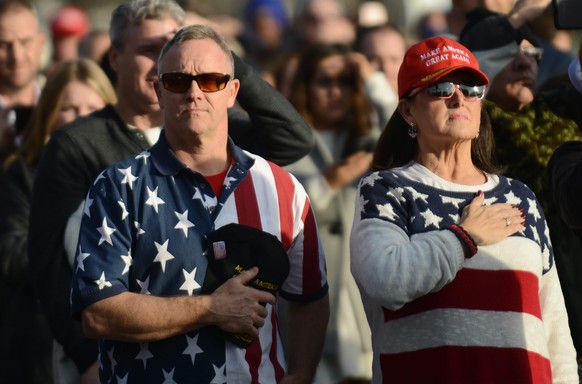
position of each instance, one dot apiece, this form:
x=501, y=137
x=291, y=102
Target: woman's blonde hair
x=43, y=120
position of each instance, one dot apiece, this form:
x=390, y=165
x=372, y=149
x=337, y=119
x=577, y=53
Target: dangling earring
x=412, y=131
x=476, y=137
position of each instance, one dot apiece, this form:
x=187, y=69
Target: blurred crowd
x=337, y=66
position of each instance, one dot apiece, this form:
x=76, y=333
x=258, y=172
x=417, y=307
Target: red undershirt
x=216, y=181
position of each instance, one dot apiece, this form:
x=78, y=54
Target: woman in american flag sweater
x=453, y=260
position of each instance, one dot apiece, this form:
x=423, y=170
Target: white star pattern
x=219, y=375
x=536, y=235
x=417, y=195
x=533, y=209
x=190, y=283
x=144, y=354
x=362, y=202
x=546, y=258
x=127, y=260
x=451, y=200
x=128, y=178
x=87, y=207
x=102, y=283
x=197, y=195
x=144, y=286
x=192, y=349
x=122, y=380
x=228, y=181
x=207, y=201
x=112, y=359
x=143, y=155
x=153, y=199
x=138, y=229
x=547, y=232
x=183, y=222
x=397, y=193
x=101, y=176
x=371, y=179
x=512, y=199
x=105, y=232
x=163, y=255
x=80, y=258
x=430, y=218
x=124, y=212
x=169, y=377
x=387, y=211
x=456, y=218
x=490, y=200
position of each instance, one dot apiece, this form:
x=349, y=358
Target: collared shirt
x=143, y=231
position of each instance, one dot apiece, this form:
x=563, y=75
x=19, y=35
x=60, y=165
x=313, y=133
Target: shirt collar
x=166, y=162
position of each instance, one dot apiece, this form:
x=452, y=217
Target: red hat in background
x=70, y=20
x=431, y=59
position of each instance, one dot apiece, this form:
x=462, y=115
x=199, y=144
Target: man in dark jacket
x=76, y=155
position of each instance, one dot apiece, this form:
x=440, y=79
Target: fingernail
x=479, y=192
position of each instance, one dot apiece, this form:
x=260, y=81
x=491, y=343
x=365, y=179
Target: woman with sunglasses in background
x=453, y=260
x=329, y=92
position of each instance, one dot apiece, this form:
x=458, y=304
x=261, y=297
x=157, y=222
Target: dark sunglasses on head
x=179, y=82
x=446, y=90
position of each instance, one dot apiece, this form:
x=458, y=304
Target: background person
x=73, y=88
x=331, y=95
x=436, y=221
x=20, y=63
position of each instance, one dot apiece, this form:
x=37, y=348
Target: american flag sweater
x=436, y=317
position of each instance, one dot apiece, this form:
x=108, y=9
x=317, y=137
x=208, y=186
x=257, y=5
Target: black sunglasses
x=446, y=90
x=179, y=82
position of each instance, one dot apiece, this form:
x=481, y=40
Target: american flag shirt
x=143, y=231
x=498, y=317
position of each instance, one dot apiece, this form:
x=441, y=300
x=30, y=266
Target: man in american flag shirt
x=141, y=257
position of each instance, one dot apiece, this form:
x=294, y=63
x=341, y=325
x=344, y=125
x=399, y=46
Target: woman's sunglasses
x=446, y=90
x=207, y=82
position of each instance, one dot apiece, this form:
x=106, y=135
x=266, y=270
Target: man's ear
x=234, y=87
x=113, y=54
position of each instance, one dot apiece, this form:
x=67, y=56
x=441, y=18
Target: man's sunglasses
x=446, y=90
x=179, y=82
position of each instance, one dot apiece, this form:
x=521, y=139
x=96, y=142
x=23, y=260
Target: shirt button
x=202, y=185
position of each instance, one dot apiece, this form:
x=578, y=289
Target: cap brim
x=479, y=76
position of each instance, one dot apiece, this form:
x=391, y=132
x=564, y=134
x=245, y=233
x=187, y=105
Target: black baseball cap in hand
x=234, y=248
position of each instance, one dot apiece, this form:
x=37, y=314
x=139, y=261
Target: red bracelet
x=465, y=238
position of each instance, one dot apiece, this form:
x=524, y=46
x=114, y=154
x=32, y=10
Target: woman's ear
x=404, y=109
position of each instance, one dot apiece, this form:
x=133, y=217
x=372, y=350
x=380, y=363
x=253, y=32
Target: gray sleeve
x=393, y=269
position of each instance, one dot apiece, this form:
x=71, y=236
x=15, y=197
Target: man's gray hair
x=197, y=32
x=134, y=12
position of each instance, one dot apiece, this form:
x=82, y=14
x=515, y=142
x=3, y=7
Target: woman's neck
x=453, y=169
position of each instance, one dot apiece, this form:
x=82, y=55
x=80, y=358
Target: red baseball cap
x=431, y=59
x=70, y=20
